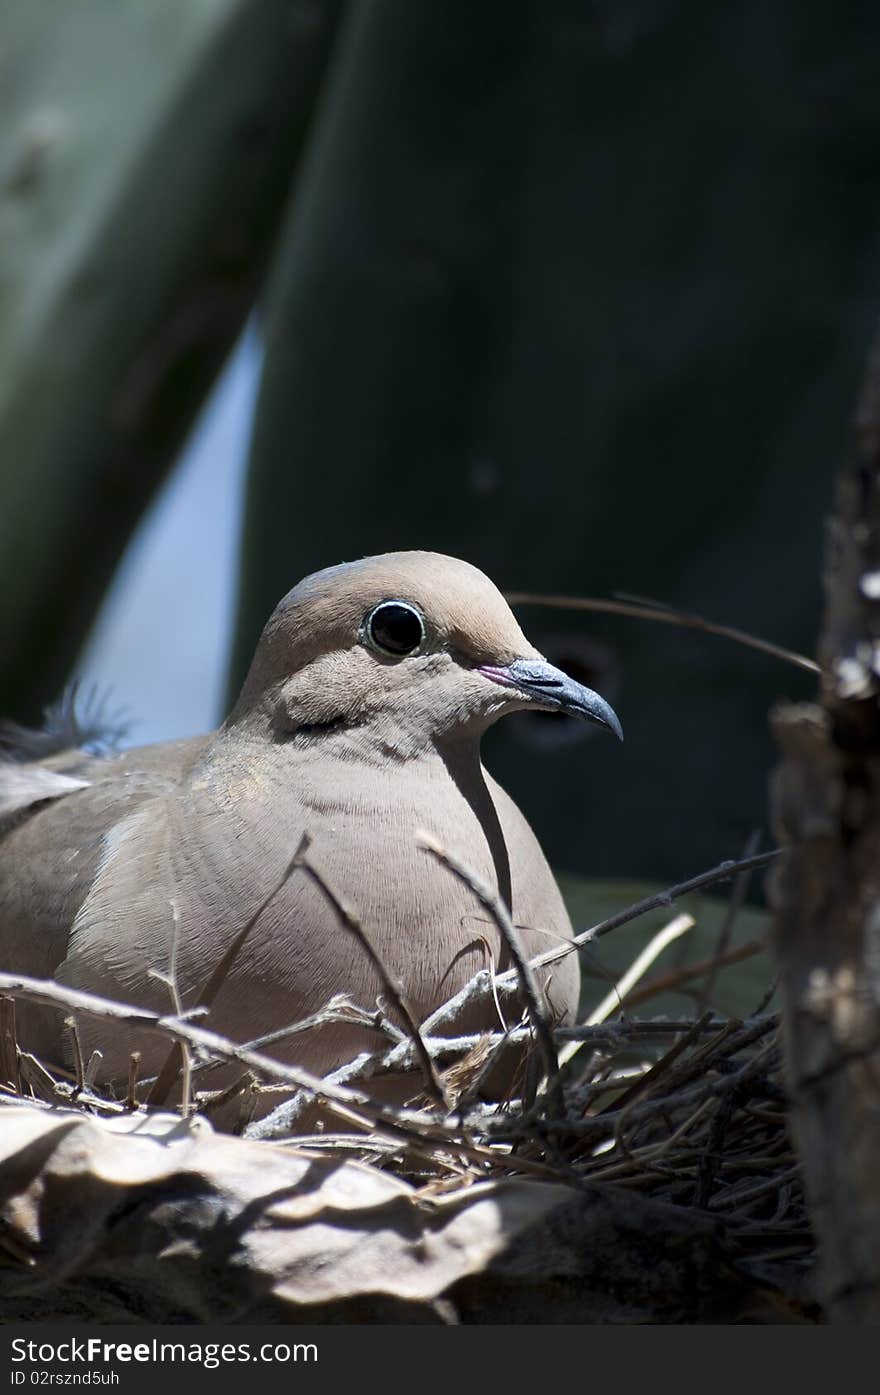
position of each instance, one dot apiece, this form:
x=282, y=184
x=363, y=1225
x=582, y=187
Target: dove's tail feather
x=76, y=721
x=24, y=785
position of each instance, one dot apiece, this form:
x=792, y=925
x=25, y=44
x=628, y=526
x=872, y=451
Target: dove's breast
x=207, y=865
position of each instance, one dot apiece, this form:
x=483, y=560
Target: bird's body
x=336, y=736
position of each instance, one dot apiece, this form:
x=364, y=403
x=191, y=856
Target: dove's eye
x=395, y=628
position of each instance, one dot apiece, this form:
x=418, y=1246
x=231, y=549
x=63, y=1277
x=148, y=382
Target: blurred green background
x=578, y=291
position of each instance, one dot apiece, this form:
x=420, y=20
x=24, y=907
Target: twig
x=70, y=1024
x=667, y=983
x=281, y=1120
x=734, y=906
x=91, y=1070
x=493, y=1045
x=9, y=1048
x=212, y=1107
x=617, y=1035
x=640, y=965
x=165, y=1079
x=41, y=1081
x=655, y=947
x=711, y=1155
x=510, y=935
x=661, y=1068
x=352, y=922
x=667, y=616
x=134, y=1061
x=339, y=1008
x=757, y=1189
x=159, y=1092
x=766, y=998
x=722, y=873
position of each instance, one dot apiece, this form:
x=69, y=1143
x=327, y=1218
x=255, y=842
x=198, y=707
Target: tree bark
x=826, y=803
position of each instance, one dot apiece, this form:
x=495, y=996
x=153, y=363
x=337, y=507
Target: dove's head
x=407, y=647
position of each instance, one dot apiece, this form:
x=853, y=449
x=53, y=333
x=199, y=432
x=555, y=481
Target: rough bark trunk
x=826, y=804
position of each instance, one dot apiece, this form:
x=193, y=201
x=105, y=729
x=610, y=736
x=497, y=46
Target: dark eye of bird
x=395, y=628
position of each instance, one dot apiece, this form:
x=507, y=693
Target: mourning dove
x=359, y=724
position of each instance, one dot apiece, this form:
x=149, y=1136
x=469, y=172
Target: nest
x=663, y=1141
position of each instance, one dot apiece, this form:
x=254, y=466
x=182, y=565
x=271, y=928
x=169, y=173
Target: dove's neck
x=352, y=776
x=375, y=738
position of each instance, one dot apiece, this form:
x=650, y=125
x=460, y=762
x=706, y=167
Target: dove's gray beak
x=555, y=691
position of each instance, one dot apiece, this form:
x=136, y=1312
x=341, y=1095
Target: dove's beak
x=553, y=690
